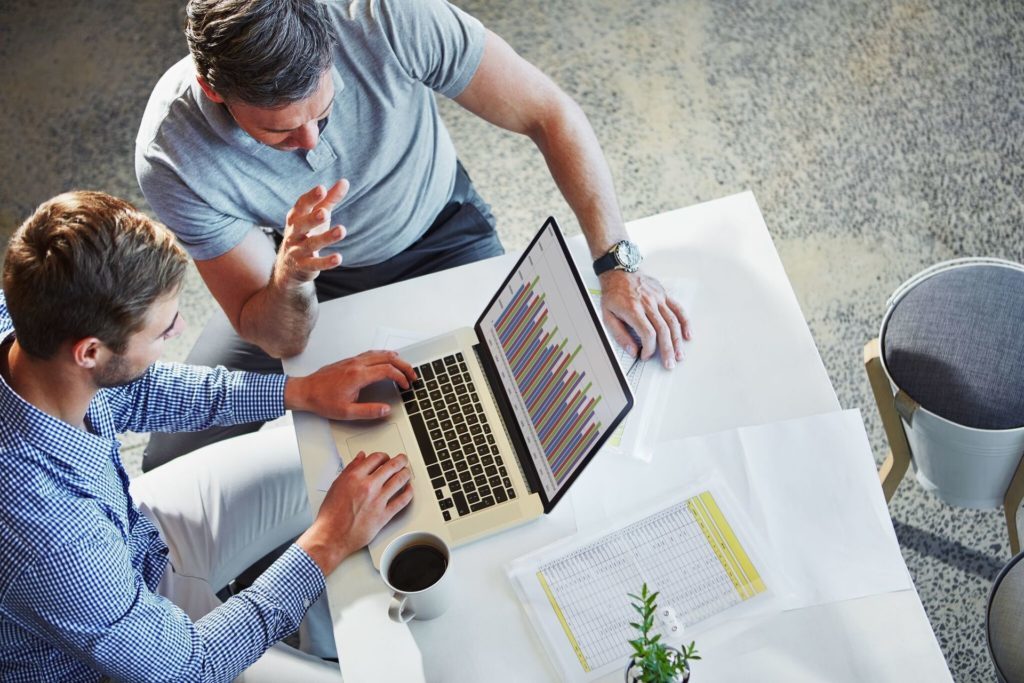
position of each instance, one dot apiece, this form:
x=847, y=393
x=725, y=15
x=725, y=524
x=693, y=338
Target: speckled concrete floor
x=878, y=136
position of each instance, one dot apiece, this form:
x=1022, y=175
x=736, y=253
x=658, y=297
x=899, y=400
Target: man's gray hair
x=265, y=53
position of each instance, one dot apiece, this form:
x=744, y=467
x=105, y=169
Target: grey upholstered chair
x=1004, y=622
x=947, y=372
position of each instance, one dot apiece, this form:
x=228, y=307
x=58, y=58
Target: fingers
x=620, y=333
x=334, y=195
x=318, y=263
x=306, y=202
x=397, y=480
x=666, y=345
x=365, y=464
x=677, y=309
x=365, y=411
x=392, y=359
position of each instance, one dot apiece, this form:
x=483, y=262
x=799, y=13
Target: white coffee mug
x=417, y=567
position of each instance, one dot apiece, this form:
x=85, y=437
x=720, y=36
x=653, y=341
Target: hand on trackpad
x=385, y=438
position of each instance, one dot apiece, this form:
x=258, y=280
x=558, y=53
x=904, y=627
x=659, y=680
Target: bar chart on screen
x=561, y=400
x=554, y=363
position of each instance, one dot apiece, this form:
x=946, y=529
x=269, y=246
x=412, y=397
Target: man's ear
x=88, y=352
x=210, y=92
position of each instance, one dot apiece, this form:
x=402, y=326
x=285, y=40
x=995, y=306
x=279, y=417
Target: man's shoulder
x=173, y=109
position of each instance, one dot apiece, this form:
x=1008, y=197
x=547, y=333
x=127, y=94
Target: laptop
x=505, y=415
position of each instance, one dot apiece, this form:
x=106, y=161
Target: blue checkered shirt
x=79, y=564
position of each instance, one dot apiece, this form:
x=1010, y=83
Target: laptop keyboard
x=456, y=441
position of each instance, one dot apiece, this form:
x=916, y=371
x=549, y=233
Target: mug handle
x=399, y=610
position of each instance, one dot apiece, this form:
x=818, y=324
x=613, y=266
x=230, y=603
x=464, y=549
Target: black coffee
x=417, y=567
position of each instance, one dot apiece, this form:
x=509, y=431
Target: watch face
x=628, y=255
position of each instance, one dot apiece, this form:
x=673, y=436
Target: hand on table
x=333, y=390
x=298, y=259
x=369, y=491
x=639, y=301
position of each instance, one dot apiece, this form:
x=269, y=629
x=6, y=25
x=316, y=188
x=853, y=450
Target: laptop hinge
x=508, y=420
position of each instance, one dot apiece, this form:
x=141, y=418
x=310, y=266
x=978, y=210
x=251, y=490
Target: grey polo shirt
x=211, y=183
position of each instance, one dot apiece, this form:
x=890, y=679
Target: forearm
x=577, y=164
x=279, y=317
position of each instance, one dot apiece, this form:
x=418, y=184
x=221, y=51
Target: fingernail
x=385, y=410
x=630, y=350
x=670, y=364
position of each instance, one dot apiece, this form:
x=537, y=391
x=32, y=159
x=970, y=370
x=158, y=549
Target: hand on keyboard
x=333, y=390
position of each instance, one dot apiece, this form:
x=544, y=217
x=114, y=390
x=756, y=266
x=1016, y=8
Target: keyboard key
x=411, y=407
x=490, y=439
x=435, y=395
x=465, y=476
x=433, y=471
x=437, y=482
x=476, y=429
x=472, y=419
x=495, y=482
x=428, y=414
x=476, y=469
x=440, y=496
x=462, y=366
x=446, y=503
x=434, y=433
x=468, y=486
x=476, y=399
x=480, y=480
x=426, y=372
x=447, y=424
x=500, y=495
x=487, y=502
x=454, y=486
x=507, y=482
x=437, y=366
x=422, y=395
x=449, y=475
x=442, y=414
x=419, y=428
x=462, y=428
x=462, y=466
x=458, y=356
x=450, y=435
x=472, y=459
x=447, y=515
x=480, y=439
x=432, y=385
x=465, y=438
x=487, y=461
x=511, y=493
x=460, y=389
x=433, y=424
x=487, y=428
x=491, y=471
x=473, y=498
x=460, y=503
x=450, y=360
x=484, y=491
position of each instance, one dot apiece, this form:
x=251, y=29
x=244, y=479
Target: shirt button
x=306, y=603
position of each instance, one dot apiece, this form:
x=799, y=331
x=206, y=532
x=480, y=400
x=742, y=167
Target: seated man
x=332, y=104
x=88, y=585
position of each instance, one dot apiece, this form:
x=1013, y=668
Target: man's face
x=294, y=126
x=145, y=347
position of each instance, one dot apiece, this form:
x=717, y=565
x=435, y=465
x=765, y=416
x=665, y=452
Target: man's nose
x=307, y=136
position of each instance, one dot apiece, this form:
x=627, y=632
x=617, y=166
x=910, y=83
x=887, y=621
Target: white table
x=752, y=361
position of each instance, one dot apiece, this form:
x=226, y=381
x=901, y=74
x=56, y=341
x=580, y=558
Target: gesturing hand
x=306, y=233
x=640, y=301
x=365, y=496
x=333, y=390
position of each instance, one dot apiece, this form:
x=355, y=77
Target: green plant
x=653, y=661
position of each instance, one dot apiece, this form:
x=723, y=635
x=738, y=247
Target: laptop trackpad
x=385, y=438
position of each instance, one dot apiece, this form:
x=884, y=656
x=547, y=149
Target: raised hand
x=307, y=230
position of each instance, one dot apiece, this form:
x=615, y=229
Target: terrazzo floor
x=878, y=137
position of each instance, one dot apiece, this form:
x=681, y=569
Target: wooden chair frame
x=899, y=456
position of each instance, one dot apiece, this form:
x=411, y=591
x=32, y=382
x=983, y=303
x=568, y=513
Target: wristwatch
x=624, y=255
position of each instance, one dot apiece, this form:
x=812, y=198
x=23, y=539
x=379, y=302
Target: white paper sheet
x=777, y=472
x=695, y=549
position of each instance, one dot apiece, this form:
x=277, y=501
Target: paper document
x=690, y=551
x=647, y=380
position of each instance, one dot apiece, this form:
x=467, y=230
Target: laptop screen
x=559, y=373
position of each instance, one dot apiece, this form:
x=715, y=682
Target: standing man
x=101, y=581
x=332, y=102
